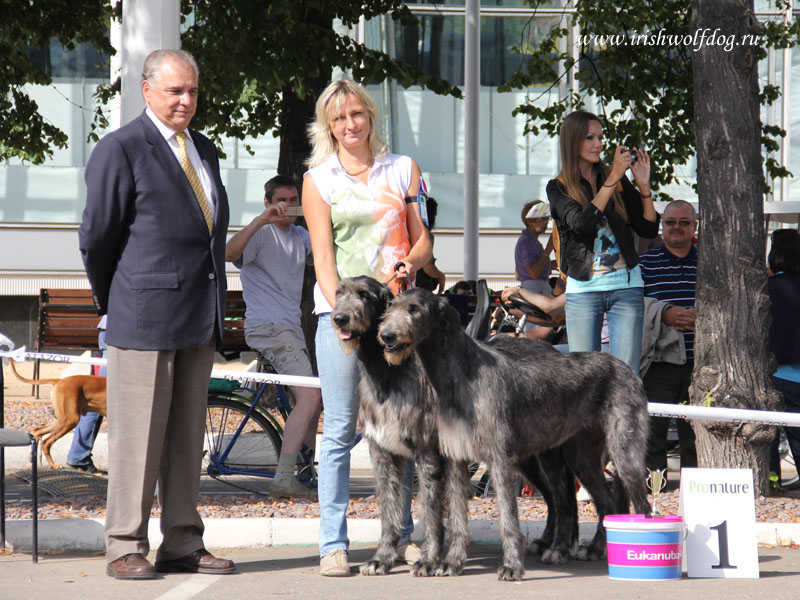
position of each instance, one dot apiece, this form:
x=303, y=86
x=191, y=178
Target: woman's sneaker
x=335, y=564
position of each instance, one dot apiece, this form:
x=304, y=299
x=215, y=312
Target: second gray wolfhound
x=507, y=402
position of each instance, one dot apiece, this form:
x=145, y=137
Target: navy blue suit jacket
x=151, y=263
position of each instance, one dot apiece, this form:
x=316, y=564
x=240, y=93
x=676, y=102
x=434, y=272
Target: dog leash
x=409, y=284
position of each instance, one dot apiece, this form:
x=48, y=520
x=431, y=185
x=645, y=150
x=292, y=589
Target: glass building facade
x=514, y=167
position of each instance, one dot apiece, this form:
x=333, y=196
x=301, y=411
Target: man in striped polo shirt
x=669, y=274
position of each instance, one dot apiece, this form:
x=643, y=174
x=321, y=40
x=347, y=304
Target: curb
x=73, y=535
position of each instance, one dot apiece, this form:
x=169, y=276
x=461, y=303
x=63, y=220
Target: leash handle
x=408, y=283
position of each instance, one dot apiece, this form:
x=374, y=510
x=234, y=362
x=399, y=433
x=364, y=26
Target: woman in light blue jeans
x=624, y=310
x=361, y=204
x=338, y=374
x=596, y=211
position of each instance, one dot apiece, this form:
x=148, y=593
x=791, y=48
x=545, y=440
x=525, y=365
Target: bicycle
x=244, y=437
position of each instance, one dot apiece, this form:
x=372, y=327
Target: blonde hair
x=574, y=129
x=329, y=103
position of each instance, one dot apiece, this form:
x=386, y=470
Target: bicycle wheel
x=240, y=450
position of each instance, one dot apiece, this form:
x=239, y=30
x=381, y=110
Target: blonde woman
x=597, y=211
x=361, y=206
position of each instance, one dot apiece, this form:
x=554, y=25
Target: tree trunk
x=731, y=360
x=296, y=114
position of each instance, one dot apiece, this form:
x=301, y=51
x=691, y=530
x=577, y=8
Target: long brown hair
x=574, y=129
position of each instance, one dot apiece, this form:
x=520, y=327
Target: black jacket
x=577, y=226
x=784, y=292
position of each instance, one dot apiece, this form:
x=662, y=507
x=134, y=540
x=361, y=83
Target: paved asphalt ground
x=290, y=572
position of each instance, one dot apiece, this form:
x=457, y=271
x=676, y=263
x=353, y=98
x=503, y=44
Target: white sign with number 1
x=718, y=507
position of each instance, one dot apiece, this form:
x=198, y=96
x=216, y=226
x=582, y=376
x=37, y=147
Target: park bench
x=67, y=320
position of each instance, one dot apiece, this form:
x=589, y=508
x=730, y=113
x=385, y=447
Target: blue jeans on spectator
x=625, y=311
x=791, y=393
x=80, y=452
x=338, y=374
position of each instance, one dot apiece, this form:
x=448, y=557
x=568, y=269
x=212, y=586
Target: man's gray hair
x=677, y=203
x=155, y=60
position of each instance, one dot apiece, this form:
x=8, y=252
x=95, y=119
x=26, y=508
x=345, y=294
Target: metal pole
x=472, y=51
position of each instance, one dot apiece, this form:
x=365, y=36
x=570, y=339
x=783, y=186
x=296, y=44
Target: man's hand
x=680, y=318
x=273, y=213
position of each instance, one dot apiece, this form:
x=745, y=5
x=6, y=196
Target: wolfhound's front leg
x=388, y=470
x=458, y=491
x=505, y=478
x=430, y=470
x=562, y=509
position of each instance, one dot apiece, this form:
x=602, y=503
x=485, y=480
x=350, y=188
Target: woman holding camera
x=596, y=212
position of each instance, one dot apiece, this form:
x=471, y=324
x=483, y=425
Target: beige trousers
x=156, y=423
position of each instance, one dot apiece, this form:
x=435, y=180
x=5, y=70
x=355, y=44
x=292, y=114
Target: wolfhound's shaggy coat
x=507, y=402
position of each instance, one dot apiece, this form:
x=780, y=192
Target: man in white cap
x=532, y=262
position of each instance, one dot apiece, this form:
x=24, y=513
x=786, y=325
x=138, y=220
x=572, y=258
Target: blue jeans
x=625, y=311
x=80, y=452
x=338, y=374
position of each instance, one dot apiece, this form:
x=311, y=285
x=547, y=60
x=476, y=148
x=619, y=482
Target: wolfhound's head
x=360, y=303
x=412, y=317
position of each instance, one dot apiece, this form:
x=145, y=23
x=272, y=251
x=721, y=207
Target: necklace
x=357, y=173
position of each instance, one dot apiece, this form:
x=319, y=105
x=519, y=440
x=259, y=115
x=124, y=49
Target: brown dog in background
x=72, y=397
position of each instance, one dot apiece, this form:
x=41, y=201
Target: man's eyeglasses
x=673, y=223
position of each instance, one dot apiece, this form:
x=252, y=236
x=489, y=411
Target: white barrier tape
x=656, y=409
x=710, y=413
x=247, y=376
x=20, y=355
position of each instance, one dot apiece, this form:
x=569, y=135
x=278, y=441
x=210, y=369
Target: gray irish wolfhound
x=398, y=407
x=508, y=402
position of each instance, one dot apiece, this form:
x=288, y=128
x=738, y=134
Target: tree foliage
x=643, y=85
x=251, y=53
x=27, y=27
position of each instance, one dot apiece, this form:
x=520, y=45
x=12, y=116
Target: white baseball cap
x=539, y=210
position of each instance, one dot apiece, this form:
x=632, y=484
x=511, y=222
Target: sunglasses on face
x=673, y=223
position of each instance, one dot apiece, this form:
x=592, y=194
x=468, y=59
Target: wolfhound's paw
x=424, y=568
x=537, y=547
x=508, y=573
x=447, y=569
x=555, y=557
x=590, y=553
x=376, y=567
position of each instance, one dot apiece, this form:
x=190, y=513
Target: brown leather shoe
x=199, y=561
x=131, y=566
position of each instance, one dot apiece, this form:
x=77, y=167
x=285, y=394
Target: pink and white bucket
x=644, y=549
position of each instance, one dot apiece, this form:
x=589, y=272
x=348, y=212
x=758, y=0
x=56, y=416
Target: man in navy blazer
x=153, y=244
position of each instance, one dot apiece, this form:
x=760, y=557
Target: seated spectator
x=532, y=262
x=462, y=287
x=272, y=253
x=80, y=452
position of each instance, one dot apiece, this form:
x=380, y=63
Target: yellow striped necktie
x=194, y=180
